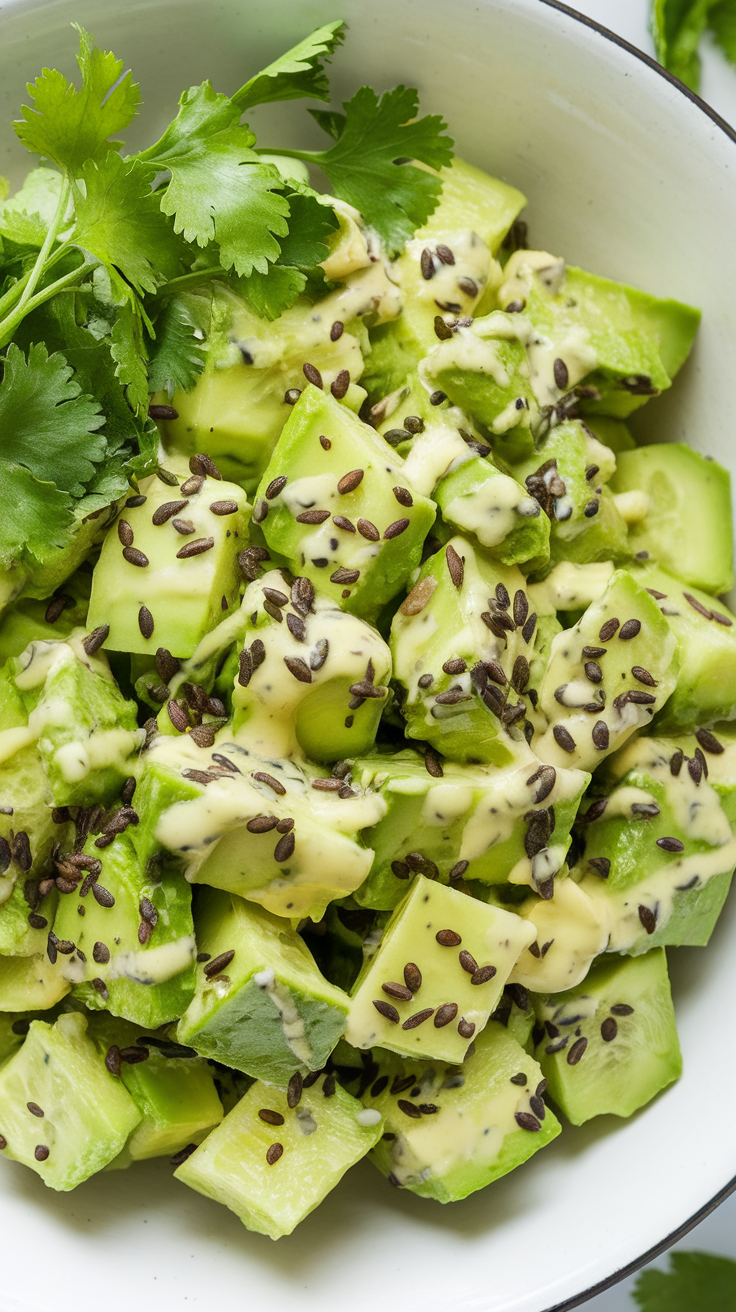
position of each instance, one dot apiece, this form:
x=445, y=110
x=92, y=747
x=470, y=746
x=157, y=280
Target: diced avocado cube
x=462, y=643
x=567, y=476
x=239, y=404
x=312, y=678
x=85, y=729
x=261, y=1005
x=607, y=675
x=571, y=930
x=437, y=975
x=660, y=849
x=682, y=487
x=471, y=822
x=477, y=498
x=451, y=1130
x=31, y=983
x=267, y=830
x=272, y=1170
x=13, y=1029
x=25, y=621
x=168, y=568
x=610, y=1045
x=340, y=471
x=613, y=433
x=62, y=1113
x=135, y=935
x=706, y=636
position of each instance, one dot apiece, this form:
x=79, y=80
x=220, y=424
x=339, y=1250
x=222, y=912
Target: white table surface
x=628, y=18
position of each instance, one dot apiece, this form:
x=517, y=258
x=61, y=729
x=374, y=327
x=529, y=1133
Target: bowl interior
x=629, y=177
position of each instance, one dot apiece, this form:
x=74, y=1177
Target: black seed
x=670, y=845
x=526, y=1121
x=529, y=627
x=521, y=608
x=537, y=1106
x=386, y=1010
x=219, y=963
x=95, y=639
x=468, y=962
x=608, y=629
x=576, y=1051
x=284, y=848
x=125, y=533
x=622, y=1009
x=101, y=954
x=483, y=975
x=709, y=742
x=340, y=385
x=132, y=502
x=135, y=557
x=447, y=938
x=465, y=1028
x=563, y=738
x=349, y=482
x=546, y=777
x=298, y=668
x=195, y=548
x=426, y=264
x=609, y=1029
x=600, y=735
x=418, y=1018
x=445, y=1014
x=145, y=622
x=561, y=374
x=647, y=918
x=601, y=865
x=458, y=870
x=291, y=395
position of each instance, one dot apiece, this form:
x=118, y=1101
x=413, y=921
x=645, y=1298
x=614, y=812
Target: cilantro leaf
x=128, y=350
x=36, y=516
x=367, y=166
x=270, y=294
x=300, y=72
x=677, y=27
x=219, y=189
x=120, y=222
x=311, y=224
x=26, y=216
x=178, y=357
x=695, y=1280
x=722, y=22
x=48, y=424
x=71, y=126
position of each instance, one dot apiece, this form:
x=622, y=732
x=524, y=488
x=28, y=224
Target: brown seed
x=294, y=1090
x=622, y=1009
x=593, y=671
x=95, y=639
x=398, y=991
x=601, y=865
x=337, y=330
x=521, y=608
x=629, y=629
x=609, y=1029
x=576, y=1051
x=420, y=594
x=386, y=1010
x=670, y=845
x=432, y=764
x=561, y=374
x=178, y=716
x=695, y=769
x=563, y=738
x=100, y=987
x=312, y=374
x=145, y=622
x=468, y=962
x=166, y=511
x=526, y=1121
x=458, y=870
x=527, y=631
x=144, y=933
x=709, y=742
x=412, y=977
x=404, y=498
x=203, y=464
x=447, y=938
x=41, y=1152
x=262, y=824
x=465, y=1028
x=349, y=482
x=608, y=629
x=276, y=486
x=277, y=598
x=340, y=385
x=296, y=627
x=245, y=668
x=21, y=850
x=224, y=507
x=600, y=735
x=647, y=918
x=166, y=664
x=444, y=253
x=409, y=1109
x=112, y=1060
x=268, y=779
x=125, y=533
x=218, y=964
x=101, y=954
x=313, y=517
x=520, y=674
x=445, y=1014
x=102, y=896
x=483, y=974
x=426, y=264
x=284, y=848
x=135, y=557
x=195, y=548
x=270, y=1118
x=418, y=1018
x=398, y=527
x=343, y=575
x=298, y=668
x=454, y=565
x=183, y=526
x=274, y=1153
x=34, y=1109
x=341, y=521
x=291, y=395
x=368, y=530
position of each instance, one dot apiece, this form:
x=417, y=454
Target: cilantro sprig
x=678, y=27
x=694, y=1281
x=108, y=260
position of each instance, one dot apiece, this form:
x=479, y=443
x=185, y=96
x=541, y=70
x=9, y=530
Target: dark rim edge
x=631, y=1267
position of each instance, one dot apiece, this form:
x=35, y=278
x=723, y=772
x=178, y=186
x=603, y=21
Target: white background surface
x=628, y=18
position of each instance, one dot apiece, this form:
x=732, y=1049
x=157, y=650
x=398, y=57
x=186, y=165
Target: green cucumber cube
x=611, y=1044
x=85, y=1116
x=319, y=1139
x=31, y=983
x=477, y=498
x=450, y=1130
x=444, y=959
x=267, y=1010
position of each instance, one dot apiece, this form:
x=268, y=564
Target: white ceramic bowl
x=630, y=176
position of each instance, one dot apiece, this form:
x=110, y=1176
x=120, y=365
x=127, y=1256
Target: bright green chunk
x=613, y=433
x=178, y=1100
x=477, y=498
x=611, y=1044
x=138, y=951
x=31, y=983
x=314, y=679
x=237, y=408
x=87, y=1114
x=568, y=477
x=658, y=861
x=12, y=1034
x=595, y=702
x=267, y=1011
x=458, y=1001
x=472, y=823
x=706, y=636
x=25, y=621
x=486, y=1118
x=360, y=563
x=683, y=487
x=186, y=595
x=321, y=1139
x=226, y=834
x=452, y=616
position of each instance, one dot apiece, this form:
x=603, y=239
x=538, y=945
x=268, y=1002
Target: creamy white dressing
x=492, y=510
x=292, y=1023
x=467, y=350
x=575, y=930
x=432, y=454
x=575, y=587
x=444, y=291
x=632, y=506
x=103, y=748
x=154, y=966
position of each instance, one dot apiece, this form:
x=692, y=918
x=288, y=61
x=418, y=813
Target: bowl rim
x=679, y=1233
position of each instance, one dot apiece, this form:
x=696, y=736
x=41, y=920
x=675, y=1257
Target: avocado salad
x=365, y=689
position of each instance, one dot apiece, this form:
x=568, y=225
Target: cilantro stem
x=41, y=259
x=10, y=323
x=187, y=280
